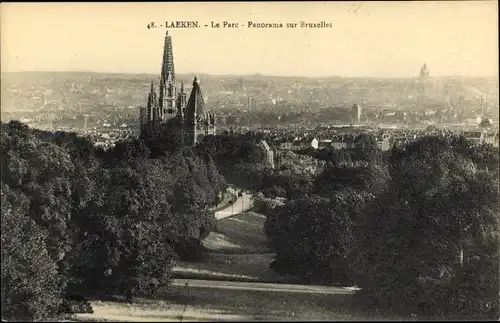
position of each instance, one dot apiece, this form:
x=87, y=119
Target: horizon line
x=258, y=74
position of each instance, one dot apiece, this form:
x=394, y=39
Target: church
x=195, y=121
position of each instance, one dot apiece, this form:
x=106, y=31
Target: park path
x=268, y=287
x=242, y=204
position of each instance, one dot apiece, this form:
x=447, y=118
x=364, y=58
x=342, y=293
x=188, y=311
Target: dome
x=424, y=71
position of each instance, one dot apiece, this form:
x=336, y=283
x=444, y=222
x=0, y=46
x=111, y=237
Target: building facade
x=356, y=114
x=269, y=153
x=195, y=121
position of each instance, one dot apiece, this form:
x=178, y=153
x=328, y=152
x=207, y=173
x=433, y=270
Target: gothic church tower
x=167, y=82
x=195, y=121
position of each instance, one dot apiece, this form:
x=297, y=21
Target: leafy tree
x=111, y=220
x=31, y=286
x=43, y=172
x=238, y=158
x=136, y=234
x=316, y=242
x=275, y=191
x=433, y=236
x=371, y=178
x=365, y=147
x=167, y=137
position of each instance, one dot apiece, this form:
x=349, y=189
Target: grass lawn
x=242, y=233
x=237, y=250
x=204, y=304
x=237, y=267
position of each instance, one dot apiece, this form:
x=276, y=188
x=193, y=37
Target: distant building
x=303, y=143
x=430, y=113
x=325, y=143
x=269, y=153
x=471, y=123
x=492, y=139
x=315, y=143
x=424, y=71
x=286, y=145
x=384, y=143
x=195, y=121
x=338, y=145
x=356, y=114
x=425, y=86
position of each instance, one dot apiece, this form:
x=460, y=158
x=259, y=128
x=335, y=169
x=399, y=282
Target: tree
x=31, y=286
x=433, y=236
x=111, y=221
x=135, y=233
x=315, y=242
x=43, y=172
x=371, y=178
x=365, y=147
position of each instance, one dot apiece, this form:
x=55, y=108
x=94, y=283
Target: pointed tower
x=167, y=82
x=152, y=111
x=195, y=114
x=181, y=102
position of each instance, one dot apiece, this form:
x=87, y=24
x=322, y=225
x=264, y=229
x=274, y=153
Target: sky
x=367, y=39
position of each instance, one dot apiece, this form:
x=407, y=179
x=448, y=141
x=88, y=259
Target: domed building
x=425, y=84
x=424, y=71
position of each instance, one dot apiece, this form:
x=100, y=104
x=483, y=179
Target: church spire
x=196, y=104
x=152, y=107
x=181, y=101
x=195, y=121
x=167, y=79
x=194, y=117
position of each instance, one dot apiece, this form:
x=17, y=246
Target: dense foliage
x=312, y=237
x=430, y=243
x=417, y=230
x=31, y=286
x=98, y=221
x=364, y=148
x=239, y=158
x=312, y=233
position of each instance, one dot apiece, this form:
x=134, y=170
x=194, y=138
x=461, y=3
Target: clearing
x=233, y=283
x=237, y=250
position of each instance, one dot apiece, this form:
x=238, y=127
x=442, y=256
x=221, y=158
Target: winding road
x=268, y=287
x=241, y=204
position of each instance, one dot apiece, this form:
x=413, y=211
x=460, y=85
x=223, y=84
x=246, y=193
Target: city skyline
x=366, y=39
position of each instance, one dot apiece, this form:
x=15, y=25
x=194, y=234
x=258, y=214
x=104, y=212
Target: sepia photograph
x=250, y=161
